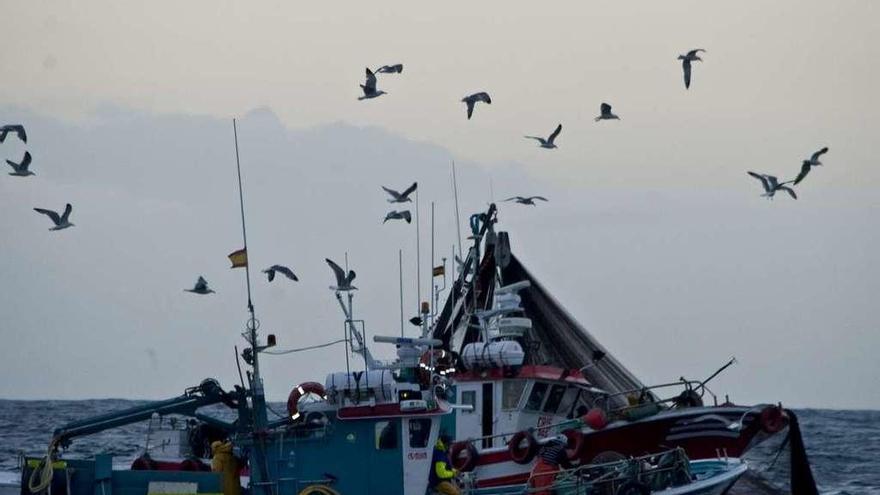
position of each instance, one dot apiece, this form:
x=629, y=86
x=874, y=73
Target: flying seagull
x=21, y=169
x=343, y=280
x=403, y=197
x=686, y=64
x=473, y=99
x=526, y=201
x=398, y=215
x=548, y=143
x=369, y=87
x=390, y=69
x=814, y=159
x=771, y=185
x=16, y=128
x=287, y=272
x=606, y=113
x=60, y=221
x=201, y=287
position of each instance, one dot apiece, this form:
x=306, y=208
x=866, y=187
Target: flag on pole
x=438, y=271
x=239, y=258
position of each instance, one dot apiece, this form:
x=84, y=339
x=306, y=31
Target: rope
x=41, y=476
x=291, y=351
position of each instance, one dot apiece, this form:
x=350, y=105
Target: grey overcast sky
x=655, y=238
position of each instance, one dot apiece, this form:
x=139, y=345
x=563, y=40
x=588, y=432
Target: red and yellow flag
x=438, y=271
x=238, y=258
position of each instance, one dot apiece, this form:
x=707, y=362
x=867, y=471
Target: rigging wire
x=291, y=351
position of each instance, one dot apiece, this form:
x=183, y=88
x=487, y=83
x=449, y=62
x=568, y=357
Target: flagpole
x=247, y=268
x=418, y=261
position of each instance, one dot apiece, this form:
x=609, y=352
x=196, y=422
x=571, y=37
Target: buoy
x=522, y=447
x=596, y=419
x=464, y=456
x=297, y=393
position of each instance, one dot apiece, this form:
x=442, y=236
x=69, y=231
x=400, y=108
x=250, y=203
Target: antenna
x=433, y=287
x=400, y=268
x=457, y=214
x=247, y=269
x=418, y=259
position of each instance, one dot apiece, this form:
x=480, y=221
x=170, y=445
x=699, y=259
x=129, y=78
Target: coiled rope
x=41, y=476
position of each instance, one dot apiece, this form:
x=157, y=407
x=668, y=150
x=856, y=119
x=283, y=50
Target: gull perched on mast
x=686, y=64
x=201, y=288
x=527, y=200
x=549, y=142
x=398, y=215
x=606, y=114
x=806, y=165
x=771, y=185
x=343, y=280
x=21, y=169
x=369, y=87
x=16, y=128
x=61, y=221
x=287, y=272
x=472, y=100
x=401, y=197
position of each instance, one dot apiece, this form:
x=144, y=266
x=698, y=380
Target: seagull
x=21, y=169
x=606, y=113
x=201, y=287
x=398, y=215
x=771, y=185
x=548, y=143
x=526, y=201
x=61, y=221
x=369, y=87
x=16, y=128
x=390, y=69
x=814, y=159
x=473, y=99
x=287, y=272
x=403, y=197
x=343, y=281
x=686, y=64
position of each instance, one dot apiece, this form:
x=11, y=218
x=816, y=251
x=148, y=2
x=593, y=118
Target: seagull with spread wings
x=472, y=100
x=548, y=142
x=390, y=69
x=61, y=221
x=771, y=184
x=343, y=280
x=398, y=215
x=606, y=114
x=686, y=60
x=201, y=288
x=530, y=200
x=287, y=272
x=21, y=169
x=401, y=197
x=16, y=128
x=369, y=87
x=806, y=165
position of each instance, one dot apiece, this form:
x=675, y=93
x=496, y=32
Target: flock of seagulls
x=771, y=184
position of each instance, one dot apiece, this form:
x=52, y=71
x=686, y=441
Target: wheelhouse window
x=511, y=392
x=469, y=398
x=567, y=405
x=386, y=435
x=536, y=398
x=419, y=431
x=554, y=398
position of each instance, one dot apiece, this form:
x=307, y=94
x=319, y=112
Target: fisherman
x=225, y=463
x=551, y=460
x=442, y=478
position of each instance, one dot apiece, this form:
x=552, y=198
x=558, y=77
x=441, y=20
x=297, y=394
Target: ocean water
x=843, y=446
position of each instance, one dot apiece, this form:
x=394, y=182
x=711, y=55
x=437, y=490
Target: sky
x=654, y=236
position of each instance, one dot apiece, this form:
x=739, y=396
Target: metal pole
x=457, y=214
x=433, y=287
x=418, y=260
x=400, y=269
x=247, y=269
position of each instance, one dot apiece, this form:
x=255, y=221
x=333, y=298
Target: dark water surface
x=843, y=446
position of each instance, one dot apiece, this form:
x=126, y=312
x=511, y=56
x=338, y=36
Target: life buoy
x=439, y=361
x=464, y=456
x=522, y=454
x=574, y=444
x=318, y=490
x=144, y=463
x=772, y=419
x=595, y=418
x=297, y=393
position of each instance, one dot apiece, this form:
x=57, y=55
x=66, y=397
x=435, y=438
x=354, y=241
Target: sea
x=843, y=445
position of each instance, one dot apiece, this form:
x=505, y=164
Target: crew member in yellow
x=442, y=478
x=224, y=462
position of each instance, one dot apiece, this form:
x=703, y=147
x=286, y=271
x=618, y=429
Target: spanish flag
x=238, y=258
x=438, y=271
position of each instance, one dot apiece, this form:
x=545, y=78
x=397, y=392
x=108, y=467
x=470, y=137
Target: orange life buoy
x=772, y=419
x=464, y=456
x=574, y=444
x=297, y=393
x=522, y=454
x=595, y=418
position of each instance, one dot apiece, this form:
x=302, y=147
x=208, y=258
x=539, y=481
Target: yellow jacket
x=224, y=462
